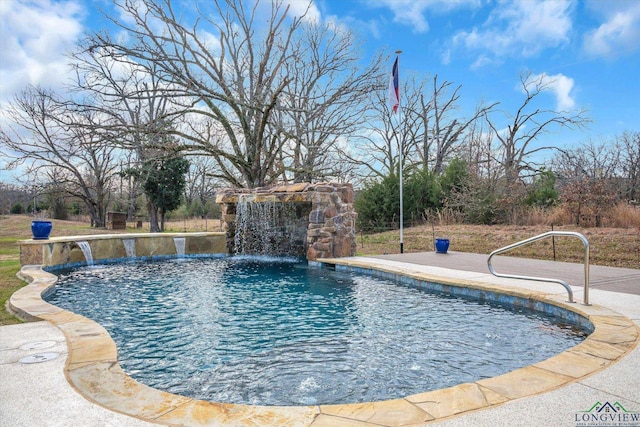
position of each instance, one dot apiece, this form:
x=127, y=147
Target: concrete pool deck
x=39, y=394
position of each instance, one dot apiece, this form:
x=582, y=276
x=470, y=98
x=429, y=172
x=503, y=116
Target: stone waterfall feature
x=312, y=220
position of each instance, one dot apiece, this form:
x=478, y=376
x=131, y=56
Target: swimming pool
x=274, y=332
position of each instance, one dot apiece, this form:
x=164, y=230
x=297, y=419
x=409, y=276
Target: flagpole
x=400, y=144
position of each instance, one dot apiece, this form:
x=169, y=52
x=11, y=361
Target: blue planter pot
x=442, y=246
x=41, y=229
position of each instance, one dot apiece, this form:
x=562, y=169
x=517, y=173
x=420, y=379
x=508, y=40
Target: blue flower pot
x=442, y=246
x=41, y=229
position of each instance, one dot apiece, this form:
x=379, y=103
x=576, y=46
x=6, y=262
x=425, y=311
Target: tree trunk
x=99, y=221
x=95, y=215
x=152, y=209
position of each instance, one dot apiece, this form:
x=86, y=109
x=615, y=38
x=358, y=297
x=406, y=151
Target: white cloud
x=336, y=24
x=446, y=57
x=308, y=9
x=374, y=28
x=481, y=61
x=619, y=33
x=559, y=85
x=412, y=12
x=209, y=40
x=521, y=28
x=34, y=35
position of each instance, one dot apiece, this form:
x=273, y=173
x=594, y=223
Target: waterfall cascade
x=129, y=247
x=86, y=251
x=180, y=244
x=268, y=228
x=316, y=220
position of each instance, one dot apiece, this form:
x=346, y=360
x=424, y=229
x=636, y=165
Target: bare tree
x=480, y=152
x=429, y=129
x=137, y=109
x=593, y=160
x=589, y=178
x=240, y=71
x=478, y=199
x=527, y=125
x=229, y=86
x=48, y=133
x=136, y=104
x=447, y=131
x=228, y=83
x=12, y=195
x=128, y=188
x=200, y=185
x=628, y=145
x=377, y=147
x=325, y=100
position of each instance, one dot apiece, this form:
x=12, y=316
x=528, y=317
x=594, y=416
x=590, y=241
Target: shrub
x=17, y=209
x=543, y=190
x=421, y=192
x=378, y=203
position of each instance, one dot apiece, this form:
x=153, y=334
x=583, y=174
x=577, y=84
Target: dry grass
x=616, y=247
x=624, y=215
x=193, y=224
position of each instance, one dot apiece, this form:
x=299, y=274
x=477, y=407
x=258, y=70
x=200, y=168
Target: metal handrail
x=543, y=279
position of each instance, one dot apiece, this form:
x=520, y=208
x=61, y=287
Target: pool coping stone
x=92, y=367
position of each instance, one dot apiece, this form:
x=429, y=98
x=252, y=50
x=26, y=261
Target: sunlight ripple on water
x=273, y=332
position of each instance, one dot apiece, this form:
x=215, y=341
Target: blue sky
x=591, y=49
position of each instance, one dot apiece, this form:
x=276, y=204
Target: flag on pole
x=394, y=89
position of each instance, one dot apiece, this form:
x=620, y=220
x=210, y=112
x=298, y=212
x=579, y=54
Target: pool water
x=271, y=331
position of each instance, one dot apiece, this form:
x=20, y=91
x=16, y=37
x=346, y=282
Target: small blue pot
x=41, y=229
x=442, y=246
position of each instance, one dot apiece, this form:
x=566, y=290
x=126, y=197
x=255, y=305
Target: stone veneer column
x=331, y=228
x=332, y=222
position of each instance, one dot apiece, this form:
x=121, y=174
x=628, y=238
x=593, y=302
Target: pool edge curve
x=92, y=367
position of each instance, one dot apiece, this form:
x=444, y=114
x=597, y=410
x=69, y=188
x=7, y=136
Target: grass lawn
x=9, y=283
x=616, y=247
x=18, y=227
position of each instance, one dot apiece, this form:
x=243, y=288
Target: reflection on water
x=271, y=331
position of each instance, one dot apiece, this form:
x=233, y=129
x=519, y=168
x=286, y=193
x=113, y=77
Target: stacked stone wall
x=331, y=221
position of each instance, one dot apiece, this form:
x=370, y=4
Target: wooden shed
x=116, y=220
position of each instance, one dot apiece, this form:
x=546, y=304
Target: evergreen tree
x=164, y=186
x=378, y=204
x=543, y=190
